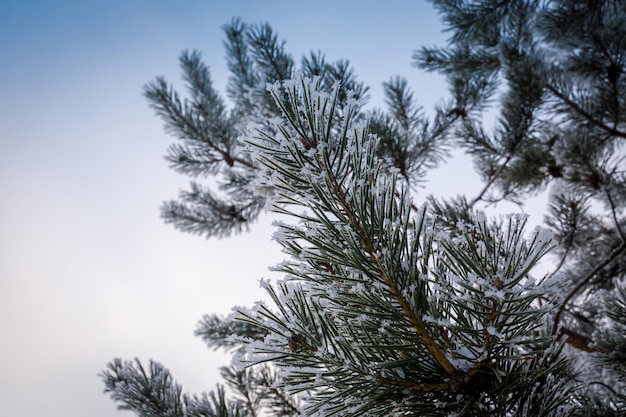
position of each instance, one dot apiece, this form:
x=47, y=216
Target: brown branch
x=419, y=327
x=432, y=347
x=577, y=340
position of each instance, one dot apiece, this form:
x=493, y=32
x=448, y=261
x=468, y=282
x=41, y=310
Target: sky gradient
x=88, y=270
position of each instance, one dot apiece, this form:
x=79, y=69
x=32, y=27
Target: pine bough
x=385, y=309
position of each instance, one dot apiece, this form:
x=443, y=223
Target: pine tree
x=393, y=304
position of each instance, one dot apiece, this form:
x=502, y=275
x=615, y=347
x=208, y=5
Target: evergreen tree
x=392, y=305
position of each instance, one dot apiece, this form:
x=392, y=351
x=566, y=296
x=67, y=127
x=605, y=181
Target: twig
x=614, y=213
x=618, y=251
x=585, y=114
x=491, y=181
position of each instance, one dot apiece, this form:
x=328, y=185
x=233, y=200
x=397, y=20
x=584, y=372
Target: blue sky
x=88, y=271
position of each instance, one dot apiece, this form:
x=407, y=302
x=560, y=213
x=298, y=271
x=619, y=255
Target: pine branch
x=168, y=105
x=154, y=393
x=218, y=332
x=491, y=181
x=381, y=313
x=243, y=79
x=618, y=226
x=348, y=241
x=200, y=211
x=353, y=221
x=269, y=53
x=586, y=115
x=584, y=281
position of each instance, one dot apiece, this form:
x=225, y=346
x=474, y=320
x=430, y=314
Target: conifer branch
x=566, y=251
x=618, y=226
x=424, y=336
x=599, y=267
x=157, y=93
x=491, y=181
x=586, y=115
x=381, y=313
x=419, y=327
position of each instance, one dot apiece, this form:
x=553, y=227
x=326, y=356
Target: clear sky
x=88, y=271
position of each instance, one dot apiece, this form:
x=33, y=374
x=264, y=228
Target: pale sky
x=88, y=271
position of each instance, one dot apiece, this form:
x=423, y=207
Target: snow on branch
x=378, y=300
